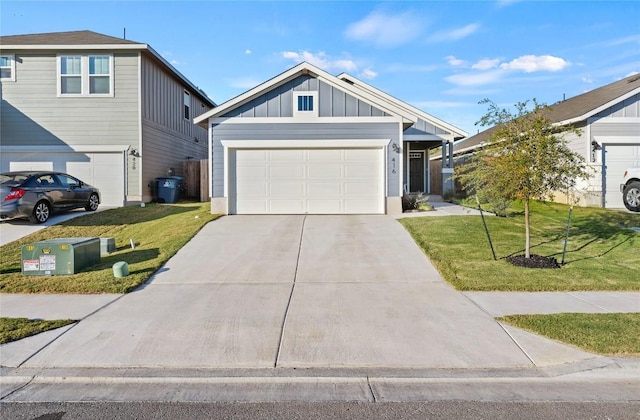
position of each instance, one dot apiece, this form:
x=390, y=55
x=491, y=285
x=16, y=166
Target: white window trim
x=12, y=66
x=305, y=114
x=84, y=76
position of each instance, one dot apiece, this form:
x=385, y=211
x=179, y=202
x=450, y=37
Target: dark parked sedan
x=38, y=194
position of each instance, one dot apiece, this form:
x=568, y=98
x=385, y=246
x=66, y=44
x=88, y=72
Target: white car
x=630, y=189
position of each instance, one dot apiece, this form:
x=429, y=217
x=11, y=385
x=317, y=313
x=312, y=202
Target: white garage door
x=313, y=181
x=102, y=170
x=618, y=158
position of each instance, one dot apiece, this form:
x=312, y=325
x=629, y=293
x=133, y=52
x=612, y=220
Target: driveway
x=298, y=292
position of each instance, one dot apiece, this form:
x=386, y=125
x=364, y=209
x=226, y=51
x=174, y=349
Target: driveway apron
x=291, y=291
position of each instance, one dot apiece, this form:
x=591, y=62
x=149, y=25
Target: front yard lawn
x=158, y=231
x=609, y=334
x=603, y=252
x=12, y=329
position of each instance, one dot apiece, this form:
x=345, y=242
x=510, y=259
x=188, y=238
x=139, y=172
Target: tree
x=526, y=158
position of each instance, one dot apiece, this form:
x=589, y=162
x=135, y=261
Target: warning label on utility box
x=31, y=265
x=47, y=262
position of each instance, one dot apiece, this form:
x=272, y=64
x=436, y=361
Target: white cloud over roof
x=322, y=60
x=533, y=63
x=385, y=29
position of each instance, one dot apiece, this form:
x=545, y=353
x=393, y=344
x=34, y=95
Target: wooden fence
x=196, y=179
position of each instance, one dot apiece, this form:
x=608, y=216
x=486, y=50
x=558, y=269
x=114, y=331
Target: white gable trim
x=306, y=68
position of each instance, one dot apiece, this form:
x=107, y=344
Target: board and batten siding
x=332, y=102
x=305, y=131
x=167, y=137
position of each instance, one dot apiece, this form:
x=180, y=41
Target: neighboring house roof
x=457, y=132
x=88, y=40
x=572, y=110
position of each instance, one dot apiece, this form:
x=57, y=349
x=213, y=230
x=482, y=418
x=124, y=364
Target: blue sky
x=442, y=57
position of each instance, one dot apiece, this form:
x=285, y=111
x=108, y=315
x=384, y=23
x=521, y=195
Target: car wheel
x=93, y=203
x=41, y=212
x=631, y=196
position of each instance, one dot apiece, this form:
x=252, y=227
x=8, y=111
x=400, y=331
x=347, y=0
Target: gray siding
x=307, y=131
x=167, y=137
x=424, y=127
x=33, y=114
x=620, y=129
x=332, y=102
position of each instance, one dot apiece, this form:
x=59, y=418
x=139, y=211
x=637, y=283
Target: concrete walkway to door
x=296, y=292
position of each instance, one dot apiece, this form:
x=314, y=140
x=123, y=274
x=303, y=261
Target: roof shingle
x=64, y=38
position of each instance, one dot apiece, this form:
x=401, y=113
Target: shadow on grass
x=131, y=215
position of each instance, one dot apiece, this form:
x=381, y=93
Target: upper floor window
x=187, y=105
x=8, y=67
x=82, y=75
x=305, y=104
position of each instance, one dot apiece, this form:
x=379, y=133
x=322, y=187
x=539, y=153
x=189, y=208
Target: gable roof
x=576, y=109
x=63, y=38
x=88, y=40
x=305, y=68
x=458, y=133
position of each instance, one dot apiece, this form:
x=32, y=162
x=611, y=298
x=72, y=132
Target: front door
x=416, y=171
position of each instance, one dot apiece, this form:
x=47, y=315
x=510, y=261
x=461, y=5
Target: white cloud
x=368, y=74
x=174, y=62
x=455, y=34
x=385, y=30
x=533, y=63
x=633, y=73
x=321, y=60
x=476, y=79
x=587, y=80
x=247, y=51
x=486, y=64
x=455, y=62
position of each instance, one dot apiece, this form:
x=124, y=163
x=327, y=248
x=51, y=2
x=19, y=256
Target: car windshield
x=12, y=178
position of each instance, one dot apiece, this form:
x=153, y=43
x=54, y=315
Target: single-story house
x=110, y=111
x=308, y=142
x=609, y=120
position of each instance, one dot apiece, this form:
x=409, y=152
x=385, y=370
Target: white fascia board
x=305, y=68
x=305, y=144
x=77, y=47
x=599, y=109
x=408, y=107
x=89, y=148
x=422, y=137
x=294, y=120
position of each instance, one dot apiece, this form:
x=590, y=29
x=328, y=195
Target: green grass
x=608, y=334
x=602, y=254
x=159, y=231
x=12, y=329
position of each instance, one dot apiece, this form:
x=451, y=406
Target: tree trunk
x=527, y=231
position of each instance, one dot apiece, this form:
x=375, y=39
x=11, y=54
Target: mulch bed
x=536, y=261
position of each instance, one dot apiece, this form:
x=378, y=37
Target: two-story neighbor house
x=310, y=142
x=110, y=111
x=609, y=120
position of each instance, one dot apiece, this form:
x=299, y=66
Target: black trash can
x=168, y=188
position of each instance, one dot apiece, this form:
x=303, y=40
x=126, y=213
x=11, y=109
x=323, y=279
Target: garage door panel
x=319, y=171
x=284, y=188
x=299, y=181
x=618, y=159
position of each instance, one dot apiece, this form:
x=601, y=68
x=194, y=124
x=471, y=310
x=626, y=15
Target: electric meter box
x=60, y=256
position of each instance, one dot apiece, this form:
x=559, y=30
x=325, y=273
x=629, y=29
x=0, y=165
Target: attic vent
x=633, y=78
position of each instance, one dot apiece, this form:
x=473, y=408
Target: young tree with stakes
x=526, y=158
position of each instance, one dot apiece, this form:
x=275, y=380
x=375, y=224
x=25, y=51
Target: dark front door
x=416, y=171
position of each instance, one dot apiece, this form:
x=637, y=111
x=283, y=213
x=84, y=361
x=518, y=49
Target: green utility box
x=60, y=256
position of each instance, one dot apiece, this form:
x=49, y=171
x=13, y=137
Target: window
x=99, y=74
x=305, y=104
x=7, y=67
x=82, y=75
x=187, y=105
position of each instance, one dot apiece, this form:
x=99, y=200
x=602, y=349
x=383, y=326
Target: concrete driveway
x=298, y=292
